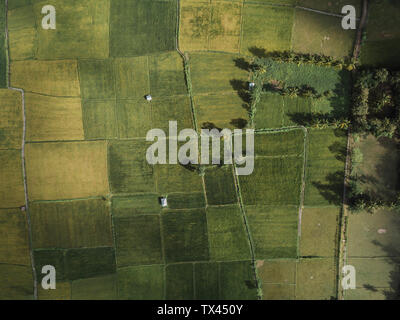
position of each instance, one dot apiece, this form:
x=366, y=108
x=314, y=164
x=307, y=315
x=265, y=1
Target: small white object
x=164, y=202
x=251, y=85
x=149, y=97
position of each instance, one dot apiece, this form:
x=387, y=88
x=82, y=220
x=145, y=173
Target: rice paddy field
x=76, y=190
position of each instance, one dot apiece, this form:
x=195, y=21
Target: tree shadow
x=210, y=126
x=258, y=52
x=332, y=189
x=239, y=123
x=243, y=64
x=241, y=87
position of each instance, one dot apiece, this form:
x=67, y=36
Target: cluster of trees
x=376, y=102
x=316, y=59
x=304, y=91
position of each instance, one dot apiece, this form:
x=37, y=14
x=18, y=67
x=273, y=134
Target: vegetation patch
x=12, y=186
x=138, y=240
x=88, y=221
x=100, y=288
x=53, y=118
x=140, y=27
x=10, y=119
x=179, y=281
x=17, y=284
x=185, y=236
x=99, y=119
x=186, y=200
x=97, y=79
x=66, y=170
x=227, y=234
x=220, y=186
x=127, y=207
x=273, y=231
x=206, y=279
x=141, y=283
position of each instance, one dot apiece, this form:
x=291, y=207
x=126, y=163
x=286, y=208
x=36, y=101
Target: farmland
x=77, y=192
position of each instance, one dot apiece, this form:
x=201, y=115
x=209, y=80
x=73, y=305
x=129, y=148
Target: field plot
x=3, y=54
x=67, y=170
x=82, y=30
x=179, y=282
x=99, y=119
x=278, y=279
x=227, y=234
x=186, y=200
x=269, y=114
x=275, y=181
x=316, y=279
x=206, y=281
x=185, y=235
x=325, y=167
x=288, y=143
x=220, y=186
x=141, y=282
x=213, y=25
x=272, y=34
x=129, y=170
x=273, y=230
x=130, y=206
x=53, y=118
x=140, y=27
x=88, y=221
x=138, y=240
x=18, y=284
x=319, y=232
x=100, y=288
x=14, y=237
x=62, y=292
x=55, y=78
x=11, y=186
x=381, y=47
x=54, y=257
x=373, y=250
x=221, y=110
x=10, y=119
x=321, y=34
x=215, y=72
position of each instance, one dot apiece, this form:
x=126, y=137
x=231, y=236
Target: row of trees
x=306, y=58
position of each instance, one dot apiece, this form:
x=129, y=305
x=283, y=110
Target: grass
x=237, y=281
x=269, y=114
x=88, y=221
x=12, y=186
x=179, y=282
x=99, y=119
x=22, y=44
x=89, y=262
x=129, y=170
x=186, y=200
x=134, y=118
x=227, y=234
x=55, y=78
x=141, y=283
x=53, y=118
x=10, y=119
x=14, y=240
x=275, y=181
x=321, y=34
x=100, y=288
x=210, y=26
x=325, y=167
x=206, y=281
x=132, y=77
x=278, y=291
x=272, y=34
x=380, y=53
x=222, y=110
x=319, y=232
x=17, y=284
x=274, y=144
x=97, y=79
x=66, y=170
x=138, y=240
x=277, y=272
x=53, y=257
x=293, y=107
x=214, y=72
x=62, y=292
x=185, y=236
x=220, y=186
x=141, y=27
x=127, y=207
x=316, y=279
x=273, y=231
x=173, y=178
x=82, y=30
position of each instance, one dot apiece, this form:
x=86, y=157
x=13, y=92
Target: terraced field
x=76, y=191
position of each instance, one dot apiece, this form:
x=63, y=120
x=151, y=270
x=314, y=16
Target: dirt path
x=28, y=217
x=357, y=46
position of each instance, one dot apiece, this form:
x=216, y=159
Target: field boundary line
x=247, y=228
x=322, y=12
x=302, y=190
x=28, y=217
x=357, y=46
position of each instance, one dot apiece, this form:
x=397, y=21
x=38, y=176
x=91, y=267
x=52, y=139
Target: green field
x=3, y=51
